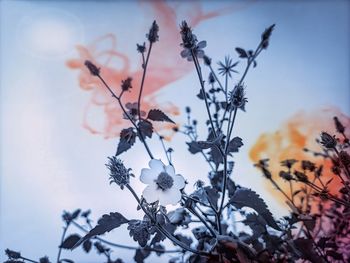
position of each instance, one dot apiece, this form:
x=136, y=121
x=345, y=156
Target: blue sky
x=49, y=162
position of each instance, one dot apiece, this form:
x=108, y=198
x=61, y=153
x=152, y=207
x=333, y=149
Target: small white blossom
x=163, y=184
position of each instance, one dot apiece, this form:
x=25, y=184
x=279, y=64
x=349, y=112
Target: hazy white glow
x=49, y=34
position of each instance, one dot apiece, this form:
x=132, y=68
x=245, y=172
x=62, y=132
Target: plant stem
x=223, y=190
x=193, y=211
x=249, y=62
x=124, y=246
x=163, y=230
x=62, y=239
x=196, y=63
x=216, y=78
x=164, y=148
x=145, y=64
x=127, y=115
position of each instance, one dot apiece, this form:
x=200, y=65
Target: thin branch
x=199, y=73
x=124, y=246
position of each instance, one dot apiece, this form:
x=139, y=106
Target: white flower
x=163, y=184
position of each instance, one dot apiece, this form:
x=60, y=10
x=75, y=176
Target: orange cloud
x=299, y=132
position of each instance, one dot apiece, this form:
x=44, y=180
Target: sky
x=50, y=162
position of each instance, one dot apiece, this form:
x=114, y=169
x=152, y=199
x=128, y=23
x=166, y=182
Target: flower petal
x=148, y=176
x=151, y=193
x=185, y=53
x=156, y=165
x=169, y=197
x=170, y=170
x=179, y=181
x=202, y=44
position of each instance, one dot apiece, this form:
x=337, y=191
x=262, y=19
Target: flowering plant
x=209, y=212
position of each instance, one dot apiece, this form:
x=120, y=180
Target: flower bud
x=153, y=33
x=95, y=71
x=119, y=174
x=328, y=141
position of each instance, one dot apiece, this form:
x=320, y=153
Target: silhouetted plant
x=310, y=233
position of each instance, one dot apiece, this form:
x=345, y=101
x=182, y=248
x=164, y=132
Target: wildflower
x=119, y=174
x=288, y=163
x=133, y=111
x=263, y=164
x=197, y=51
x=163, y=184
x=301, y=176
x=126, y=84
x=141, y=48
x=328, y=141
x=189, y=42
x=307, y=165
x=153, y=33
x=238, y=98
x=95, y=71
x=227, y=67
x=336, y=167
x=286, y=176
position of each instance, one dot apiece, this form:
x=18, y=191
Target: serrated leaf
x=87, y=246
x=241, y=52
x=204, y=145
x=127, y=139
x=247, y=197
x=193, y=147
x=234, y=144
x=139, y=230
x=146, y=128
x=158, y=115
x=70, y=241
x=216, y=156
x=104, y=224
